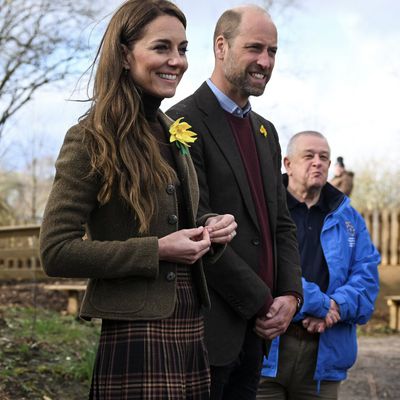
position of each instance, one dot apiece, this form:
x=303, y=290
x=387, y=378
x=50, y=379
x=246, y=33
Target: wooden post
x=394, y=237
x=385, y=237
x=73, y=302
x=375, y=228
x=394, y=312
x=367, y=219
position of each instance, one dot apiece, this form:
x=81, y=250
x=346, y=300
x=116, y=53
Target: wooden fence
x=19, y=256
x=19, y=252
x=384, y=227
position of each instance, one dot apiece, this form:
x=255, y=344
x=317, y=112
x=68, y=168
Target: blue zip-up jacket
x=353, y=263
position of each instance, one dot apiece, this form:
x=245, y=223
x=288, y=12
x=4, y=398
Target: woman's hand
x=222, y=228
x=185, y=246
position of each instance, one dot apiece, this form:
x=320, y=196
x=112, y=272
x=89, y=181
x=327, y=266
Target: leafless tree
x=376, y=186
x=28, y=186
x=41, y=41
x=8, y=184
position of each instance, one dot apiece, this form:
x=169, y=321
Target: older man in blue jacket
x=340, y=280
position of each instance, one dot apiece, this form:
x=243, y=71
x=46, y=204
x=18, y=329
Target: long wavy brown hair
x=123, y=151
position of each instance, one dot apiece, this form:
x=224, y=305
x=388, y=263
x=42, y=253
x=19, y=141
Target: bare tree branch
x=40, y=43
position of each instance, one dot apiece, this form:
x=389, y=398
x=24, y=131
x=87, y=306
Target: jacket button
x=170, y=276
x=170, y=189
x=255, y=241
x=172, y=219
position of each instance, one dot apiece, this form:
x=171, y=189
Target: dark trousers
x=239, y=379
x=295, y=379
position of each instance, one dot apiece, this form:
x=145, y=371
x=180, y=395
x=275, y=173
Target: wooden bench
x=73, y=290
x=393, y=303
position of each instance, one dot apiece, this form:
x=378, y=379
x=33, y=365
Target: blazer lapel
x=218, y=126
x=182, y=171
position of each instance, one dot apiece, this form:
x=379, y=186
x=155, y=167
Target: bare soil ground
x=375, y=376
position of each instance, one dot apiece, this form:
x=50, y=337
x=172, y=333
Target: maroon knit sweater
x=244, y=137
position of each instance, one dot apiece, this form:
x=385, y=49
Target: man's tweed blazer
x=237, y=292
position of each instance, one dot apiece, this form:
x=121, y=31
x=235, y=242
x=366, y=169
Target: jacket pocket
x=342, y=347
x=123, y=295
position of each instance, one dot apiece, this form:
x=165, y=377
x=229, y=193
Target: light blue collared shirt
x=227, y=104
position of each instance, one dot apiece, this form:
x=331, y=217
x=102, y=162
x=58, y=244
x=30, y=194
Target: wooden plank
x=393, y=298
x=19, y=231
x=394, y=238
x=19, y=252
x=66, y=287
x=22, y=274
x=385, y=229
x=375, y=228
x=74, y=298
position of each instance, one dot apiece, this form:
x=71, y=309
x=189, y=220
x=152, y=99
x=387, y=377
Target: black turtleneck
x=151, y=104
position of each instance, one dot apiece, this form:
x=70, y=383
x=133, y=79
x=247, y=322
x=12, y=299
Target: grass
x=44, y=355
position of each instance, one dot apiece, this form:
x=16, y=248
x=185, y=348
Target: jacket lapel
x=182, y=171
x=218, y=127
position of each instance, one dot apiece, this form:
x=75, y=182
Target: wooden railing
x=19, y=252
x=384, y=227
x=19, y=245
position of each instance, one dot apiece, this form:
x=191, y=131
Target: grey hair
x=292, y=142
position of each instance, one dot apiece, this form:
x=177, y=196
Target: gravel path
x=376, y=374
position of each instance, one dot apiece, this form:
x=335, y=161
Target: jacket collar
x=332, y=196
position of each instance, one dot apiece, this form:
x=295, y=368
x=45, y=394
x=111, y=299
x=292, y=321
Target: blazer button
x=172, y=219
x=170, y=276
x=170, y=189
x=255, y=241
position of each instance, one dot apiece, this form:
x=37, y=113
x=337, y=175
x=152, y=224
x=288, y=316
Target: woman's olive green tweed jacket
x=126, y=279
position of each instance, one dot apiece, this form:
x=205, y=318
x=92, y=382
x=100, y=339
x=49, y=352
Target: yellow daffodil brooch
x=181, y=135
x=263, y=131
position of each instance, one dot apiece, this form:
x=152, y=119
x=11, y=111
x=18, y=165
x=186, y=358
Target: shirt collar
x=292, y=202
x=227, y=104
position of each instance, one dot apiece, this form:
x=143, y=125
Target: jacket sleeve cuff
x=326, y=306
x=343, y=307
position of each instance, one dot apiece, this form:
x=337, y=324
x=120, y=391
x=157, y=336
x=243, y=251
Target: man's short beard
x=241, y=81
x=253, y=91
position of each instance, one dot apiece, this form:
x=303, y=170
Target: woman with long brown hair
x=125, y=181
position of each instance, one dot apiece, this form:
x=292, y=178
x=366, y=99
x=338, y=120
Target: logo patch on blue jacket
x=352, y=233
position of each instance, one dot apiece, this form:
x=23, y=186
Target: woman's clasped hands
x=186, y=246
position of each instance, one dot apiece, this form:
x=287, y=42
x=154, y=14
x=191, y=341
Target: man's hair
x=228, y=25
x=292, y=142
x=229, y=22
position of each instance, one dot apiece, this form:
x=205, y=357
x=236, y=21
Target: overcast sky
x=337, y=71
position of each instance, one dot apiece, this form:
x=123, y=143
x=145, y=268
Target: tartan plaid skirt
x=151, y=360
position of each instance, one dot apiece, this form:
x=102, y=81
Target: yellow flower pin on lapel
x=263, y=131
x=181, y=135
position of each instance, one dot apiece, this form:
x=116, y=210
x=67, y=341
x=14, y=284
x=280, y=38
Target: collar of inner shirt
x=292, y=202
x=227, y=104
